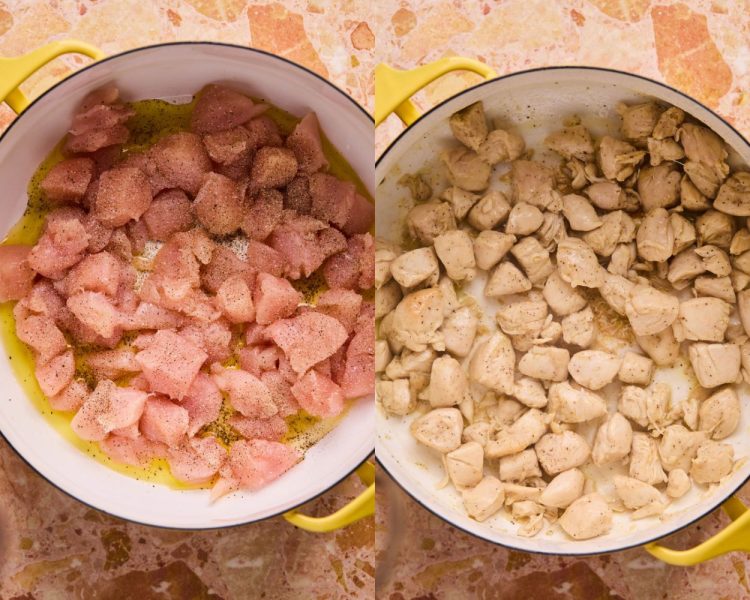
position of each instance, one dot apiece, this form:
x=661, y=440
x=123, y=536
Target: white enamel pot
x=173, y=71
x=536, y=102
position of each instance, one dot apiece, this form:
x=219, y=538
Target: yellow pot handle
x=362, y=506
x=393, y=87
x=14, y=71
x=736, y=536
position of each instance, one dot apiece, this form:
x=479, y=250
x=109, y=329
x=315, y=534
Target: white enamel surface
x=172, y=72
x=536, y=104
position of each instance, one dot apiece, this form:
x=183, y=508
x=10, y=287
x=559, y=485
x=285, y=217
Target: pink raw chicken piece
x=108, y=407
x=213, y=338
x=68, y=180
x=53, y=376
x=235, y=300
x=182, y=161
x=170, y=363
x=319, y=395
x=254, y=464
x=281, y=392
x=203, y=403
x=16, y=276
x=96, y=312
x=131, y=431
x=263, y=131
x=275, y=298
x=150, y=316
x=136, y=452
x=297, y=196
x=71, y=398
x=61, y=246
x=43, y=299
x=355, y=267
x=123, y=194
x=264, y=259
x=247, y=394
x=170, y=212
x=255, y=333
x=98, y=127
x=42, y=335
x=305, y=243
x=197, y=460
x=342, y=305
x=273, y=428
x=220, y=108
x=223, y=265
x=112, y=364
x=361, y=216
x=83, y=334
x=107, y=94
x=164, y=421
x=146, y=162
x=228, y=147
x=218, y=204
x=263, y=214
x=96, y=273
x=305, y=142
x=138, y=235
x=332, y=199
x=257, y=359
x=308, y=338
x=358, y=378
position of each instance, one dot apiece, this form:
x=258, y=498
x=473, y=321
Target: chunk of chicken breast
x=636, y=369
x=415, y=267
x=678, y=446
x=383, y=355
x=638, y=120
x=593, y=368
x=659, y=186
x=716, y=287
x=714, y=228
x=574, y=405
x=524, y=219
x=385, y=253
x=617, y=159
x=519, y=467
x=410, y=362
x=460, y=200
x=501, y=146
x=418, y=318
x=640, y=497
x=616, y=291
x=506, y=279
x=518, y=436
x=649, y=310
x=459, y=330
x=485, y=499
x=558, y=452
x=719, y=415
x=456, y=251
x=465, y=169
x=465, y=464
x=493, y=363
x=395, y=396
x=679, y=484
x=469, y=125
x=530, y=392
x=587, y=517
x=715, y=364
x=439, y=429
x=685, y=267
x=428, y=220
x=579, y=213
x=734, y=195
x=633, y=403
x=491, y=210
x=712, y=462
x=662, y=347
x=655, y=237
x=448, y=382
x=704, y=319
x=622, y=259
x=578, y=265
x=703, y=177
x=546, y=363
x=613, y=440
x=571, y=142
x=533, y=258
x=608, y=195
x=387, y=298
x=522, y=317
x=690, y=196
x=534, y=183
x=644, y=460
x=617, y=228
x=562, y=298
x=564, y=489
x=684, y=232
x=664, y=150
x=704, y=146
x=578, y=329
x=490, y=247
x=668, y=123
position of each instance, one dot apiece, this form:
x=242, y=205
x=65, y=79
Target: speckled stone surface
x=51, y=546
x=699, y=46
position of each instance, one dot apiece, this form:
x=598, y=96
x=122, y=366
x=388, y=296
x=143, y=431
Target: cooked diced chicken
x=410, y=362
x=465, y=169
x=456, y=251
x=558, y=452
x=524, y=219
x=485, y=499
x=439, y=429
x=387, y=298
x=522, y=317
x=506, y=279
x=519, y=467
x=459, y=329
x=385, y=253
x=515, y=493
x=493, y=363
x=720, y=414
x=562, y=298
x=662, y=347
x=659, y=186
x=617, y=159
x=419, y=189
x=668, y=123
x=518, y=436
x=448, y=291
x=734, y=195
x=530, y=392
x=417, y=318
x=415, y=267
x=534, y=183
x=578, y=328
x=704, y=319
x=613, y=441
x=638, y=120
x=690, y=196
x=716, y=287
x=581, y=216
x=644, y=460
x=649, y=310
x=395, y=396
x=655, y=237
x=617, y=228
x=740, y=242
x=703, y=146
x=564, y=489
x=546, y=363
x=572, y=142
x=478, y=432
x=684, y=232
x=382, y=355
x=578, y=265
x=705, y=179
x=491, y=210
x=633, y=403
x=678, y=446
x=664, y=150
x=448, y=382
x=464, y=464
x=636, y=369
x=715, y=364
x=715, y=228
x=622, y=259
x=607, y=195
x=572, y=405
x=616, y=291
x=593, y=368
x=587, y=517
x=534, y=259
x=529, y=515
x=428, y=220
x=712, y=463
x=501, y=146
x=743, y=306
x=714, y=260
x=684, y=267
x=505, y=412
x=641, y=497
x=678, y=484
x=469, y=125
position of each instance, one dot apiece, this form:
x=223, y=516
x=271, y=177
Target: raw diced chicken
x=197, y=460
x=332, y=199
x=223, y=265
x=220, y=108
x=273, y=428
x=218, y=204
x=264, y=259
x=150, y=316
x=170, y=363
x=61, y=246
x=68, y=180
x=361, y=216
x=263, y=215
x=53, y=376
x=123, y=194
x=234, y=299
x=257, y=359
x=304, y=243
x=112, y=364
x=108, y=408
x=95, y=273
x=272, y=168
x=170, y=212
x=202, y=402
x=306, y=144
x=182, y=161
x=164, y=421
x=353, y=268
x=136, y=452
x=16, y=276
x=96, y=312
x=343, y=305
x=358, y=377
x=297, y=196
x=281, y=392
x=274, y=298
x=98, y=127
x=308, y=338
x=247, y=394
x=70, y=398
x=213, y=337
x=263, y=131
x=256, y=463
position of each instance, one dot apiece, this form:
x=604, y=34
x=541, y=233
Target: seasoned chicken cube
x=469, y=125
x=664, y=150
x=684, y=267
x=593, y=368
x=562, y=298
x=415, y=267
x=385, y=253
x=587, y=517
x=733, y=197
x=485, y=499
x=506, y=279
x=464, y=464
x=613, y=440
x=716, y=287
x=578, y=328
x=617, y=159
x=715, y=364
x=490, y=247
x=501, y=146
x=572, y=405
x=546, y=363
x=712, y=463
x=459, y=330
x=616, y=228
x=493, y=363
x=640, y=497
x=655, y=237
x=743, y=306
x=644, y=460
x=530, y=392
x=703, y=146
x=417, y=318
x=705, y=179
x=395, y=396
x=533, y=259
x=668, y=123
x=519, y=467
x=704, y=319
x=678, y=446
x=608, y=195
x=638, y=120
x=633, y=403
x=564, y=489
x=715, y=228
x=456, y=251
x=439, y=429
x=558, y=452
x=491, y=210
x=659, y=186
x=522, y=317
x=662, y=347
x=622, y=259
x=719, y=415
x=534, y=183
x=649, y=310
x=684, y=232
x=518, y=436
x=691, y=197
x=581, y=216
x=524, y=219
x=715, y=260
x=616, y=291
x=410, y=362
x=387, y=298
x=448, y=382
x=428, y=220
x=578, y=265
x=636, y=369
x=679, y=484
x=465, y=169
x=571, y=142
x=419, y=189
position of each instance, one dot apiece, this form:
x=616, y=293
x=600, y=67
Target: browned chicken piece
x=534, y=183
x=572, y=142
x=465, y=169
x=666, y=150
x=501, y=146
x=469, y=125
x=639, y=120
x=617, y=159
x=659, y=186
x=734, y=195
